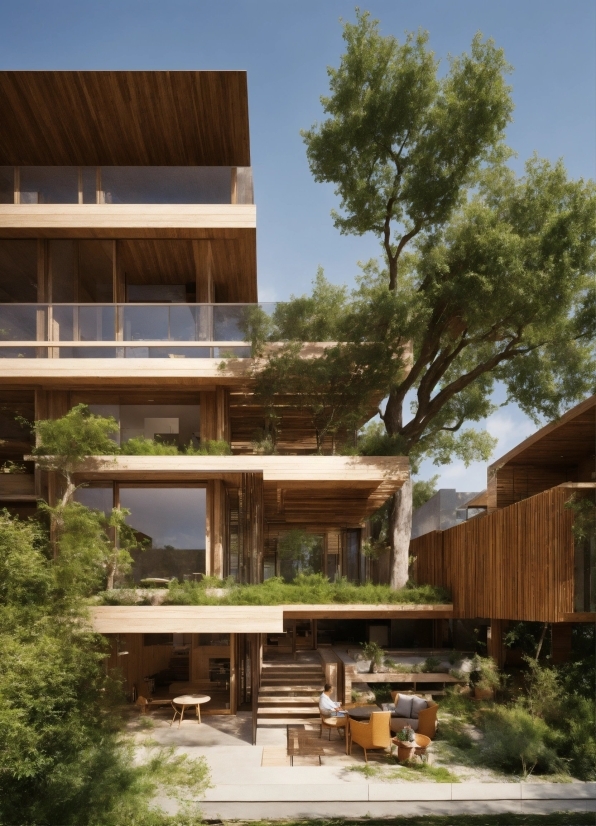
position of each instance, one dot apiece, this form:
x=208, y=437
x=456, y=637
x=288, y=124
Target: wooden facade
x=514, y=564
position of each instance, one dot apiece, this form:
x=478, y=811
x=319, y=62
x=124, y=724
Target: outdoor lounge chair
x=375, y=734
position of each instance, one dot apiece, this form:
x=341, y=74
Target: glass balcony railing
x=126, y=330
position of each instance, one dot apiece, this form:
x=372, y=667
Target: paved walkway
x=244, y=788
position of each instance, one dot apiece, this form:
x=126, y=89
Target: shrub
x=140, y=446
x=209, y=447
x=516, y=741
x=430, y=665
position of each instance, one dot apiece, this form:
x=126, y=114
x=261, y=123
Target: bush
x=430, y=665
x=310, y=589
x=516, y=741
x=140, y=446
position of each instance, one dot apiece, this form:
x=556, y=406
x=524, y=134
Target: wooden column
x=494, y=641
x=203, y=258
x=561, y=642
x=252, y=525
x=217, y=528
x=208, y=402
x=222, y=395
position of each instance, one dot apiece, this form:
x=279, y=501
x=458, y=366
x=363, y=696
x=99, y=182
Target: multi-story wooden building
x=127, y=259
x=127, y=262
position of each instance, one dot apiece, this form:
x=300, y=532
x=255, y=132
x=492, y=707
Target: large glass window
x=18, y=271
x=166, y=184
x=95, y=269
x=49, y=184
x=6, y=185
x=176, y=424
x=170, y=524
x=300, y=552
x=100, y=498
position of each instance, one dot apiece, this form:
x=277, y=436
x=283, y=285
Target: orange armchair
x=376, y=734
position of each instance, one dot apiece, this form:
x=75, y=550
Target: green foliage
x=485, y=673
x=305, y=589
x=140, y=446
x=516, y=741
x=302, y=550
x=373, y=652
x=400, y=142
x=423, y=490
x=209, y=447
x=584, y=523
x=430, y=665
x=63, y=759
x=73, y=437
x=439, y=774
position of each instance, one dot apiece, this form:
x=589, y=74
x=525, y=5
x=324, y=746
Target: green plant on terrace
x=305, y=589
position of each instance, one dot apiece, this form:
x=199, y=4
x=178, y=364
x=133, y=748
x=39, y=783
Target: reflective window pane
x=18, y=322
x=170, y=525
x=166, y=184
x=89, y=174
x=95, y=271
x=97, y=323
x=6, y=184
x=145, y=323
x=63, y=263
x=49, y=184
x=98, y=498
x=18, y=271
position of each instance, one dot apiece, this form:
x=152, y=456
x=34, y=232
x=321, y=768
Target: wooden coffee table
x=188, y=701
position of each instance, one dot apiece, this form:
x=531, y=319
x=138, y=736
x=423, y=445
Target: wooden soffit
x=187, y=619
x=564, y=442
x=124, y=118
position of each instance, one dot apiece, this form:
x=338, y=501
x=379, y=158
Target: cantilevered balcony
x=124, y=331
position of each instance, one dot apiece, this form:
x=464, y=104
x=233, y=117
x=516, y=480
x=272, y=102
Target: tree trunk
x=400, y=529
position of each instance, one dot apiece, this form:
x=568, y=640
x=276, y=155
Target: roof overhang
x=563, y=442
x=124, y=118
x=243, y=619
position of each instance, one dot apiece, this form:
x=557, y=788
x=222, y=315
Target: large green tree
x=485, y=276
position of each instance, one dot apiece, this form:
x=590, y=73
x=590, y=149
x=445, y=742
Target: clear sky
x=285, y=48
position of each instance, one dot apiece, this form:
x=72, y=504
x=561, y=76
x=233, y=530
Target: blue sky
x=285, y=48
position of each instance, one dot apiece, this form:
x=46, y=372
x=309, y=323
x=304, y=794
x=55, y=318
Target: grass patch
x=422, y=771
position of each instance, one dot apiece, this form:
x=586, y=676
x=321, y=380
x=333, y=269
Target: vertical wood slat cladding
x=516, y=563
x=252, y=525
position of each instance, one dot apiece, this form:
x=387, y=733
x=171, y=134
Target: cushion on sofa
x=398, y=723
x=417, y=705
x=403, y=707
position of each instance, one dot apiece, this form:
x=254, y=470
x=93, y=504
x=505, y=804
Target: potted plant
x=484, y=677
x=406, y=743
x=373, y=652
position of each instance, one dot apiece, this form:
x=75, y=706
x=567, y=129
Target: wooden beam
x=187, y=619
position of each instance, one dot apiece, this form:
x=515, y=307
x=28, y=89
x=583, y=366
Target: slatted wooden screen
x=516, y=563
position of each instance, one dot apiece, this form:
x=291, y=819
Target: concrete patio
x=252, y=782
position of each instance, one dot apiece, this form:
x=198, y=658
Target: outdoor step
x=284, y=711
x=285, y=721
x=289, y=679
x=271, y=699
x=291, y=689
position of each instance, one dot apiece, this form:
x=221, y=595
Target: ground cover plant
x=543, y=728
x=305, y=589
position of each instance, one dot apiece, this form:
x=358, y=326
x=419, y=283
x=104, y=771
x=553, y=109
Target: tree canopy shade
x=495, y=281
x=401, y=144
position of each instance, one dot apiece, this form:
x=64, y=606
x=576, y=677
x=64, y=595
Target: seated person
x=328, y=707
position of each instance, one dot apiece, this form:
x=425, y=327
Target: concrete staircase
x=289, y=693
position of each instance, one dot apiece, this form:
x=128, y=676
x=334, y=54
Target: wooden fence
x=516, y=563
